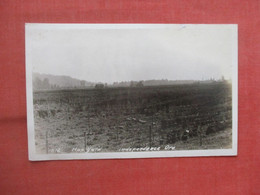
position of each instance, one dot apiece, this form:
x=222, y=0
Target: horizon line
x=111, y=83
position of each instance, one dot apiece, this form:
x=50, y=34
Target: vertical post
x=117, y=134
x=67, y=115
x=152, y=128
x=200, y=134
x=85, y=141
x=47, y=144
x=150, y=137
x=153, y=133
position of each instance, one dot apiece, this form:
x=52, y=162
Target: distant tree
x=37, y=83
x=99, y=86
x=46, y=84
x=140, y=84
x=82, y=83
x=132, y=84
x=54, y=86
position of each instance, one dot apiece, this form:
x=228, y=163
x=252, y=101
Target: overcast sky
x=109, y=53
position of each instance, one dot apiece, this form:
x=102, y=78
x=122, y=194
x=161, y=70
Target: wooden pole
x=85, y=142
x=150, y=137
x=200, y=134
x=117, y=134
x=47, y=144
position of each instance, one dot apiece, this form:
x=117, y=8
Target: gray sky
x=109, y=53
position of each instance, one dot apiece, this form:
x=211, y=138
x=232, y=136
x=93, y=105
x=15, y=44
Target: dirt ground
x=107, y=120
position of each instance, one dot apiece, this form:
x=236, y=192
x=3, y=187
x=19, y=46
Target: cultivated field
x=190, y=116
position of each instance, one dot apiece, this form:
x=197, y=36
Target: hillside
x=47, y=81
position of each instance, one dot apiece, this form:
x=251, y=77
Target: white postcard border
x=33, y=156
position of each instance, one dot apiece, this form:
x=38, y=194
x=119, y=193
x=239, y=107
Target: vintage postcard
x=99, y=91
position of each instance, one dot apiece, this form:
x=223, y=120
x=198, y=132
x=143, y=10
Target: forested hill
x=47, y=81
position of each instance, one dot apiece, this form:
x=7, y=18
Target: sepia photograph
x=104, y=91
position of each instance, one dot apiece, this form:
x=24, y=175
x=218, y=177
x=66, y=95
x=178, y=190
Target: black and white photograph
x=104, y=91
